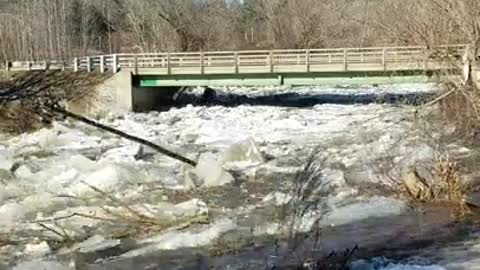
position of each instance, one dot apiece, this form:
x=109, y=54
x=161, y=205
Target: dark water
x=211, y=97
x=396, y=237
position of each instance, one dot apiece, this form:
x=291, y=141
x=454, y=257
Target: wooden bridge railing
x=311, y=60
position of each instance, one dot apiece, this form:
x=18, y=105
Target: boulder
x=416, y=185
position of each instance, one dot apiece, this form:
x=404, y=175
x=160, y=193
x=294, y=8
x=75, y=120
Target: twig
x=64, y=237
x=428, y=104
x=76, y=215
x=117, y=201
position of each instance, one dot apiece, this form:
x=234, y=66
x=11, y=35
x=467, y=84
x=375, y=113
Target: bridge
x=169, y=71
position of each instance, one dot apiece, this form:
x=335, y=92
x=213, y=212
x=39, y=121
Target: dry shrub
x=448, y=182
x=21, y=96
x=462, y=109
x=17, y=120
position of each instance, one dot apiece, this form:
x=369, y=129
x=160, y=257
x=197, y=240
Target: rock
x=417, y=186
x=39, y=265
x=208, y=172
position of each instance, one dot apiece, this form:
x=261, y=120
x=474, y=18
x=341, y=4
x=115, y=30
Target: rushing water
x=49, y=174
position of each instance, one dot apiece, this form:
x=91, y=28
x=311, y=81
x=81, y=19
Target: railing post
x=102, y=63
x=271, y=61
x=345, y=59
x=236, y=62
x=115, y=63
x=169, y=70
x=89, y=64
x=384, y=59
x=307, y=60
x=75, y=64
x=135, y=63
x=202, y=67
x=46, y=64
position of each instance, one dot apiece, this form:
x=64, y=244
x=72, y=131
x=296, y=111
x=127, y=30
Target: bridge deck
x=261, y=62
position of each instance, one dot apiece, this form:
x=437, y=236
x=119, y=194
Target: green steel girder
x=290, y=79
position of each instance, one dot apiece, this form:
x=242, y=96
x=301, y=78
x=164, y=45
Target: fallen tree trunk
x=39, y=93
x=154, y=146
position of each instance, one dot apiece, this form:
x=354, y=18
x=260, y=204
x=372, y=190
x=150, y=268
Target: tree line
x=62, y=29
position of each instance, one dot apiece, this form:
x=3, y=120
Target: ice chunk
x=10, y=214
x=44, y=202
x=37, y=250
x=208, y=172
x=333, y=178
x=191, y=208
x=168, y=211
x=36, y=265
x=176, y=239
x=107, y=179
x=244, y=151
x=277, y=198
x=374, y=207
x=81, y=163
x=3, y=194
x=97, y=248
x=23, y=172
x=5, y=163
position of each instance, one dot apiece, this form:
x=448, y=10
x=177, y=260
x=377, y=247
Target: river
x=87, y=188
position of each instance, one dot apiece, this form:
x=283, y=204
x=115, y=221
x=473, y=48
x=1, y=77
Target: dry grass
x=17, y=120
x=307, y=189
x=125, y=221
